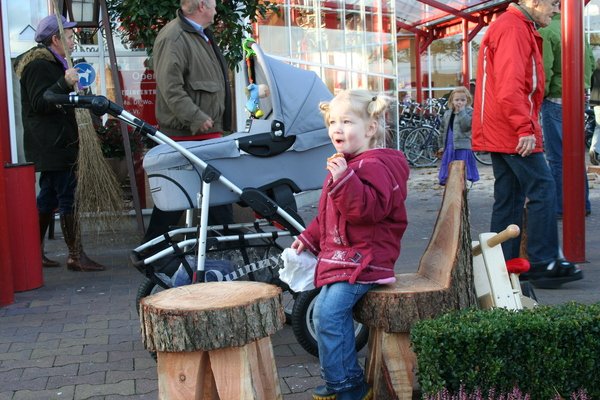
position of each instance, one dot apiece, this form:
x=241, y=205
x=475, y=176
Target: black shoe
x=322, y=393
x=554, y=274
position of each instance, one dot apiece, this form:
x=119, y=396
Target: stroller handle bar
x=100, y=105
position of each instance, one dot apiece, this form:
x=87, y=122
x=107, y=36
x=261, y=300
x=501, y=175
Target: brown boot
x=45, y=220
x=78, y=260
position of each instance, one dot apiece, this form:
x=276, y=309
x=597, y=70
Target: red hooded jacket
x=362, y=217
x=510, y=84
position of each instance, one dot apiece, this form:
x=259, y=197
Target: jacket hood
x=40, y=52
x=393, y=159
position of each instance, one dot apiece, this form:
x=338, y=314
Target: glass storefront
x=349, y=44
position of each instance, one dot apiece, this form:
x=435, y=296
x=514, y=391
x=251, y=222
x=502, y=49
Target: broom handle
x=63, y=39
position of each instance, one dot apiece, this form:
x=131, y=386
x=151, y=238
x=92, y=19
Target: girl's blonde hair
x=461, y=90
x=365, y=104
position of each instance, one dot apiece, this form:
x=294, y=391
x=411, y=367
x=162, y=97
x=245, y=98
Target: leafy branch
x=141, y=20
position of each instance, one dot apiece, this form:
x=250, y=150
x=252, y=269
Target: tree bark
x=210, y=316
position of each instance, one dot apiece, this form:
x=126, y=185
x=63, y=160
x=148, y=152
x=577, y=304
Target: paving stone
x=19, y=338
x=147, y=386
x=305, y=395
x=61, y=351
x=303, y=384
x=35, y=372
x=89, y=340
x=297, y=370
x=15, y=355
x=29, y=384
x=49, y=344
x=145, y=362
x=117, y=376
x=115, y=356
x=125, y=346
x=127, y=336
x=6, y=395
x=10, y=375
x=87, y=325
x=17, y=321
x=124, y=388
x=121, y=365
x=63, y=393
x=100, y=357
x=97, y=378
x=284, y=361
x=60, y=335
x=45, y=362
x=282, y=350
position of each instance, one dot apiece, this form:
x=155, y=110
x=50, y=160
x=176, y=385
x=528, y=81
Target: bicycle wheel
x=483, y=157
x=413, y=146
x=428, y=146
x=304, y=328
x=403, y=134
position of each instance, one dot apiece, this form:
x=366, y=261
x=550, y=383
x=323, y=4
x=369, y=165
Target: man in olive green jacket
x=193, y=98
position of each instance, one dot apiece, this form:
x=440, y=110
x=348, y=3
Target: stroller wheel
x=304, y=328
x=146, y=288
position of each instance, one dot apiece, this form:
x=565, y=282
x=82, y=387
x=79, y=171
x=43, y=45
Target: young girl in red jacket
x=356, y=234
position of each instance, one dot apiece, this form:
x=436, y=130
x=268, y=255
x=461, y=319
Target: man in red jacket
x=508, y=98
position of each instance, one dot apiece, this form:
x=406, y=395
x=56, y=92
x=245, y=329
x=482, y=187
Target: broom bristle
x=99, y=194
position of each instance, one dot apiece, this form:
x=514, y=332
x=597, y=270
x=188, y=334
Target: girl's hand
x=298, y=246
x=337, y=166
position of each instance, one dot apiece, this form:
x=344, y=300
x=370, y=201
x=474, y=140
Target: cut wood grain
x=213, y=340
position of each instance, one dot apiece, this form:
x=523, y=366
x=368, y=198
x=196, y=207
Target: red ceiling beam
x=450, y=10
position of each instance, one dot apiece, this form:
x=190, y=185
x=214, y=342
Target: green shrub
x=546, y=351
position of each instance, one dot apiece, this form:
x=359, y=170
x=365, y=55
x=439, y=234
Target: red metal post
x=573, y=141
x=466, y=58
x=6, y=278
x=419, y=78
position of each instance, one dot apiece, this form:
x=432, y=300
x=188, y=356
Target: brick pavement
x=77, y=337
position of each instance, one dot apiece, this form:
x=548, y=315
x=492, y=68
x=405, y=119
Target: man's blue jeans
x=518, y=178
x=335, y=334
x=553, y=146
x=57, y=190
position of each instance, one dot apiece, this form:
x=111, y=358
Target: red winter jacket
x=362, y=217
x=510, y=84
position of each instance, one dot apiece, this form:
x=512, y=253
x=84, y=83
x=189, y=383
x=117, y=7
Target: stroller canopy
x=294, y=99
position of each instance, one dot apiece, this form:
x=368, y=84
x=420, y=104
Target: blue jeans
x=518, y=178
x=57, y=190
x=335, y=334
x=553, y=146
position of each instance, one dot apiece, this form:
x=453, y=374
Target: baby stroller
x=263, y=167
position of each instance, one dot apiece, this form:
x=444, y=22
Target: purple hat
x=49, y=26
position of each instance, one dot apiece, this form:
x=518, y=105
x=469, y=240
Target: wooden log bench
x=443, y=282
x=213, y=340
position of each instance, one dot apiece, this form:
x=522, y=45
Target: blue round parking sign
x=87, y=75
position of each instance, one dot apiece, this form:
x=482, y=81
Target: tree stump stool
x=443, y=282
x=213, y=340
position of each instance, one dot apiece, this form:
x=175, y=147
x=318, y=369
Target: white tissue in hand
x=298, y=270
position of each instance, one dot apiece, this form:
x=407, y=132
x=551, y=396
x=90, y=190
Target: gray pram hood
x=294, y=100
